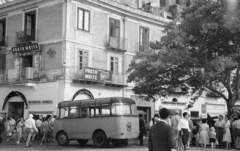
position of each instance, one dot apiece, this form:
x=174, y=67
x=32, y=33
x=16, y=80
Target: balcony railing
x=3, y=41
x=26, y=36
x=142, y=47
x=78, y=76
x=20, y=75
x=117, y=43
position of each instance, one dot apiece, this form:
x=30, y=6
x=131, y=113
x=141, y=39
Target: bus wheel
x=82, y=141
x=100, y=139
x=62, y=139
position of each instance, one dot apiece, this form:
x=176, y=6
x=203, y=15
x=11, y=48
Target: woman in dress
x=203, y=133
x=45, y=131
x=154, y=120
x=8, y=129
x=183, y=126
x=19, y=130
x=227, y=135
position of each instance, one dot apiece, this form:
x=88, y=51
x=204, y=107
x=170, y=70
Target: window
x=144, y=36
x=162, y=3
x=105, y=109
x=64, y=112
x=74, y=112
x=30, y=23
x=120, y=109
x=83, y=59
x=2, y=63
x=134, y=109
x=194, y=114
x=83, y=19
x=114, y=65
x=84, y=111
x=2, y=32
x=114, y=28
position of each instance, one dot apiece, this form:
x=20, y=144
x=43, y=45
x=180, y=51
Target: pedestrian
x=227, y=135
x=203, y=133
x=13, y=127
x=161, y=135
x=45, y=131
x=38, y=123
x=183, y=126
x=8, y=129
x=212, y=138
x=175, y=121
x=1, y=128
x=190, y=122
x=51, y=125
x=236, y=126
x=154, y=120
x=141, y=128
x=219, y=124
x=19, y=130
x=30, y=128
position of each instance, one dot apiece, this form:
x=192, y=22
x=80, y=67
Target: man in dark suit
x=161, y=135
x=141, y=128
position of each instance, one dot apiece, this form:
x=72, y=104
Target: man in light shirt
x=174, y=122
x=219, y=124
x=30, y=128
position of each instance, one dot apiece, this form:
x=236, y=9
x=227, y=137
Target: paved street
x=11, y=146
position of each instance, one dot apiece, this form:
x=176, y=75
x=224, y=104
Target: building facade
x=59, y=50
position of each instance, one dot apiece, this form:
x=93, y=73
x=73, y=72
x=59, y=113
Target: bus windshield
x=121, y=109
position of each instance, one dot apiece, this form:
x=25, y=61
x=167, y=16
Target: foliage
x=201, y=52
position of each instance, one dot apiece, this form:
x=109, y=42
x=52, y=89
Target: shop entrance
x=15, y=110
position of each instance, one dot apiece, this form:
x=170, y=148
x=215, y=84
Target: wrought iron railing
x=117, y=43
x=26, y=36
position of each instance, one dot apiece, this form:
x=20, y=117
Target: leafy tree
x=203, y=51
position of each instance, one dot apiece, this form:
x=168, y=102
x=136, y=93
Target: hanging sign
x=97, y=74
x=25, y=48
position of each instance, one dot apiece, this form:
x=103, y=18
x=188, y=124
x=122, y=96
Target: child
x=212, y=136
x=19, y=130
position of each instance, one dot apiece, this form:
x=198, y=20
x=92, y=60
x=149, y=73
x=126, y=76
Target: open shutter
x=85, y=59
x=2, y=63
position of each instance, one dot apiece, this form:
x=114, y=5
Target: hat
x=176, y=111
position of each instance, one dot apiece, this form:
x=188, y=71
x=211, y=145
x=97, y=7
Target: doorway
x=15, y=110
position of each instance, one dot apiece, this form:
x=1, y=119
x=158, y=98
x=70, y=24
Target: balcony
x=23, y=37
x=112, y=80
x=27, y=74
x=3, y=41
x=116, y=43
x=143, y=48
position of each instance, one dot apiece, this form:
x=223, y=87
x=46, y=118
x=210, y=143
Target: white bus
x=105, y=120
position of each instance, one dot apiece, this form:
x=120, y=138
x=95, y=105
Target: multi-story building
x=59, y=50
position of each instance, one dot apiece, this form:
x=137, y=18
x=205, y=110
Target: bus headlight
x=129, y=126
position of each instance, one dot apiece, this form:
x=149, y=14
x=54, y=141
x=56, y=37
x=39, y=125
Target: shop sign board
x=40, y=101
x=171, y=105
x=215, y=108
x=99, y=75
x=25, y=48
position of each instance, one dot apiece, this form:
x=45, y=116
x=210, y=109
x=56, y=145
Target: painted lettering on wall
x=40, y=101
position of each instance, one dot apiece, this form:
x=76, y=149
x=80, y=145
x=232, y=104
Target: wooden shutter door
x=85, y=59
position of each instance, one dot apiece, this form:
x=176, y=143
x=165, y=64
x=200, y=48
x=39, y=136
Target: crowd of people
x=26, y=130
x=182, y=131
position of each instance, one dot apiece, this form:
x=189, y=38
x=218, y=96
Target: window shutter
x=117, y=28
x=2, y=62
x=85, y=59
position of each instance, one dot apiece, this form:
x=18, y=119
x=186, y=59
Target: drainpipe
x=123, y=58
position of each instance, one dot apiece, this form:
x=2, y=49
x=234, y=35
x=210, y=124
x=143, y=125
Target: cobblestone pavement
x=11, y=146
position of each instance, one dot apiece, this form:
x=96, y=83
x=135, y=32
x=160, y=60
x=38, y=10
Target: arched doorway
x=15, y=101
x=87, y=94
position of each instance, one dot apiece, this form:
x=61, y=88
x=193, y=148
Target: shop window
x=83, y=59
x=2, y=63
x=194, y=114
x=27, y=61
x=64, y=112
x=114, y=62
x=114, y=28
x=83, y=20
x=74, y=112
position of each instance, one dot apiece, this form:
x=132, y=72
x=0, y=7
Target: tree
x=202, y=52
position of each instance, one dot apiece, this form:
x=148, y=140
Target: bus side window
x=105, y=109
x=74, y=112
x=97, y=110
x=64, y=112
x=84, y=111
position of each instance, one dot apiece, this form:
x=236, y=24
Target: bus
x=104, y=120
